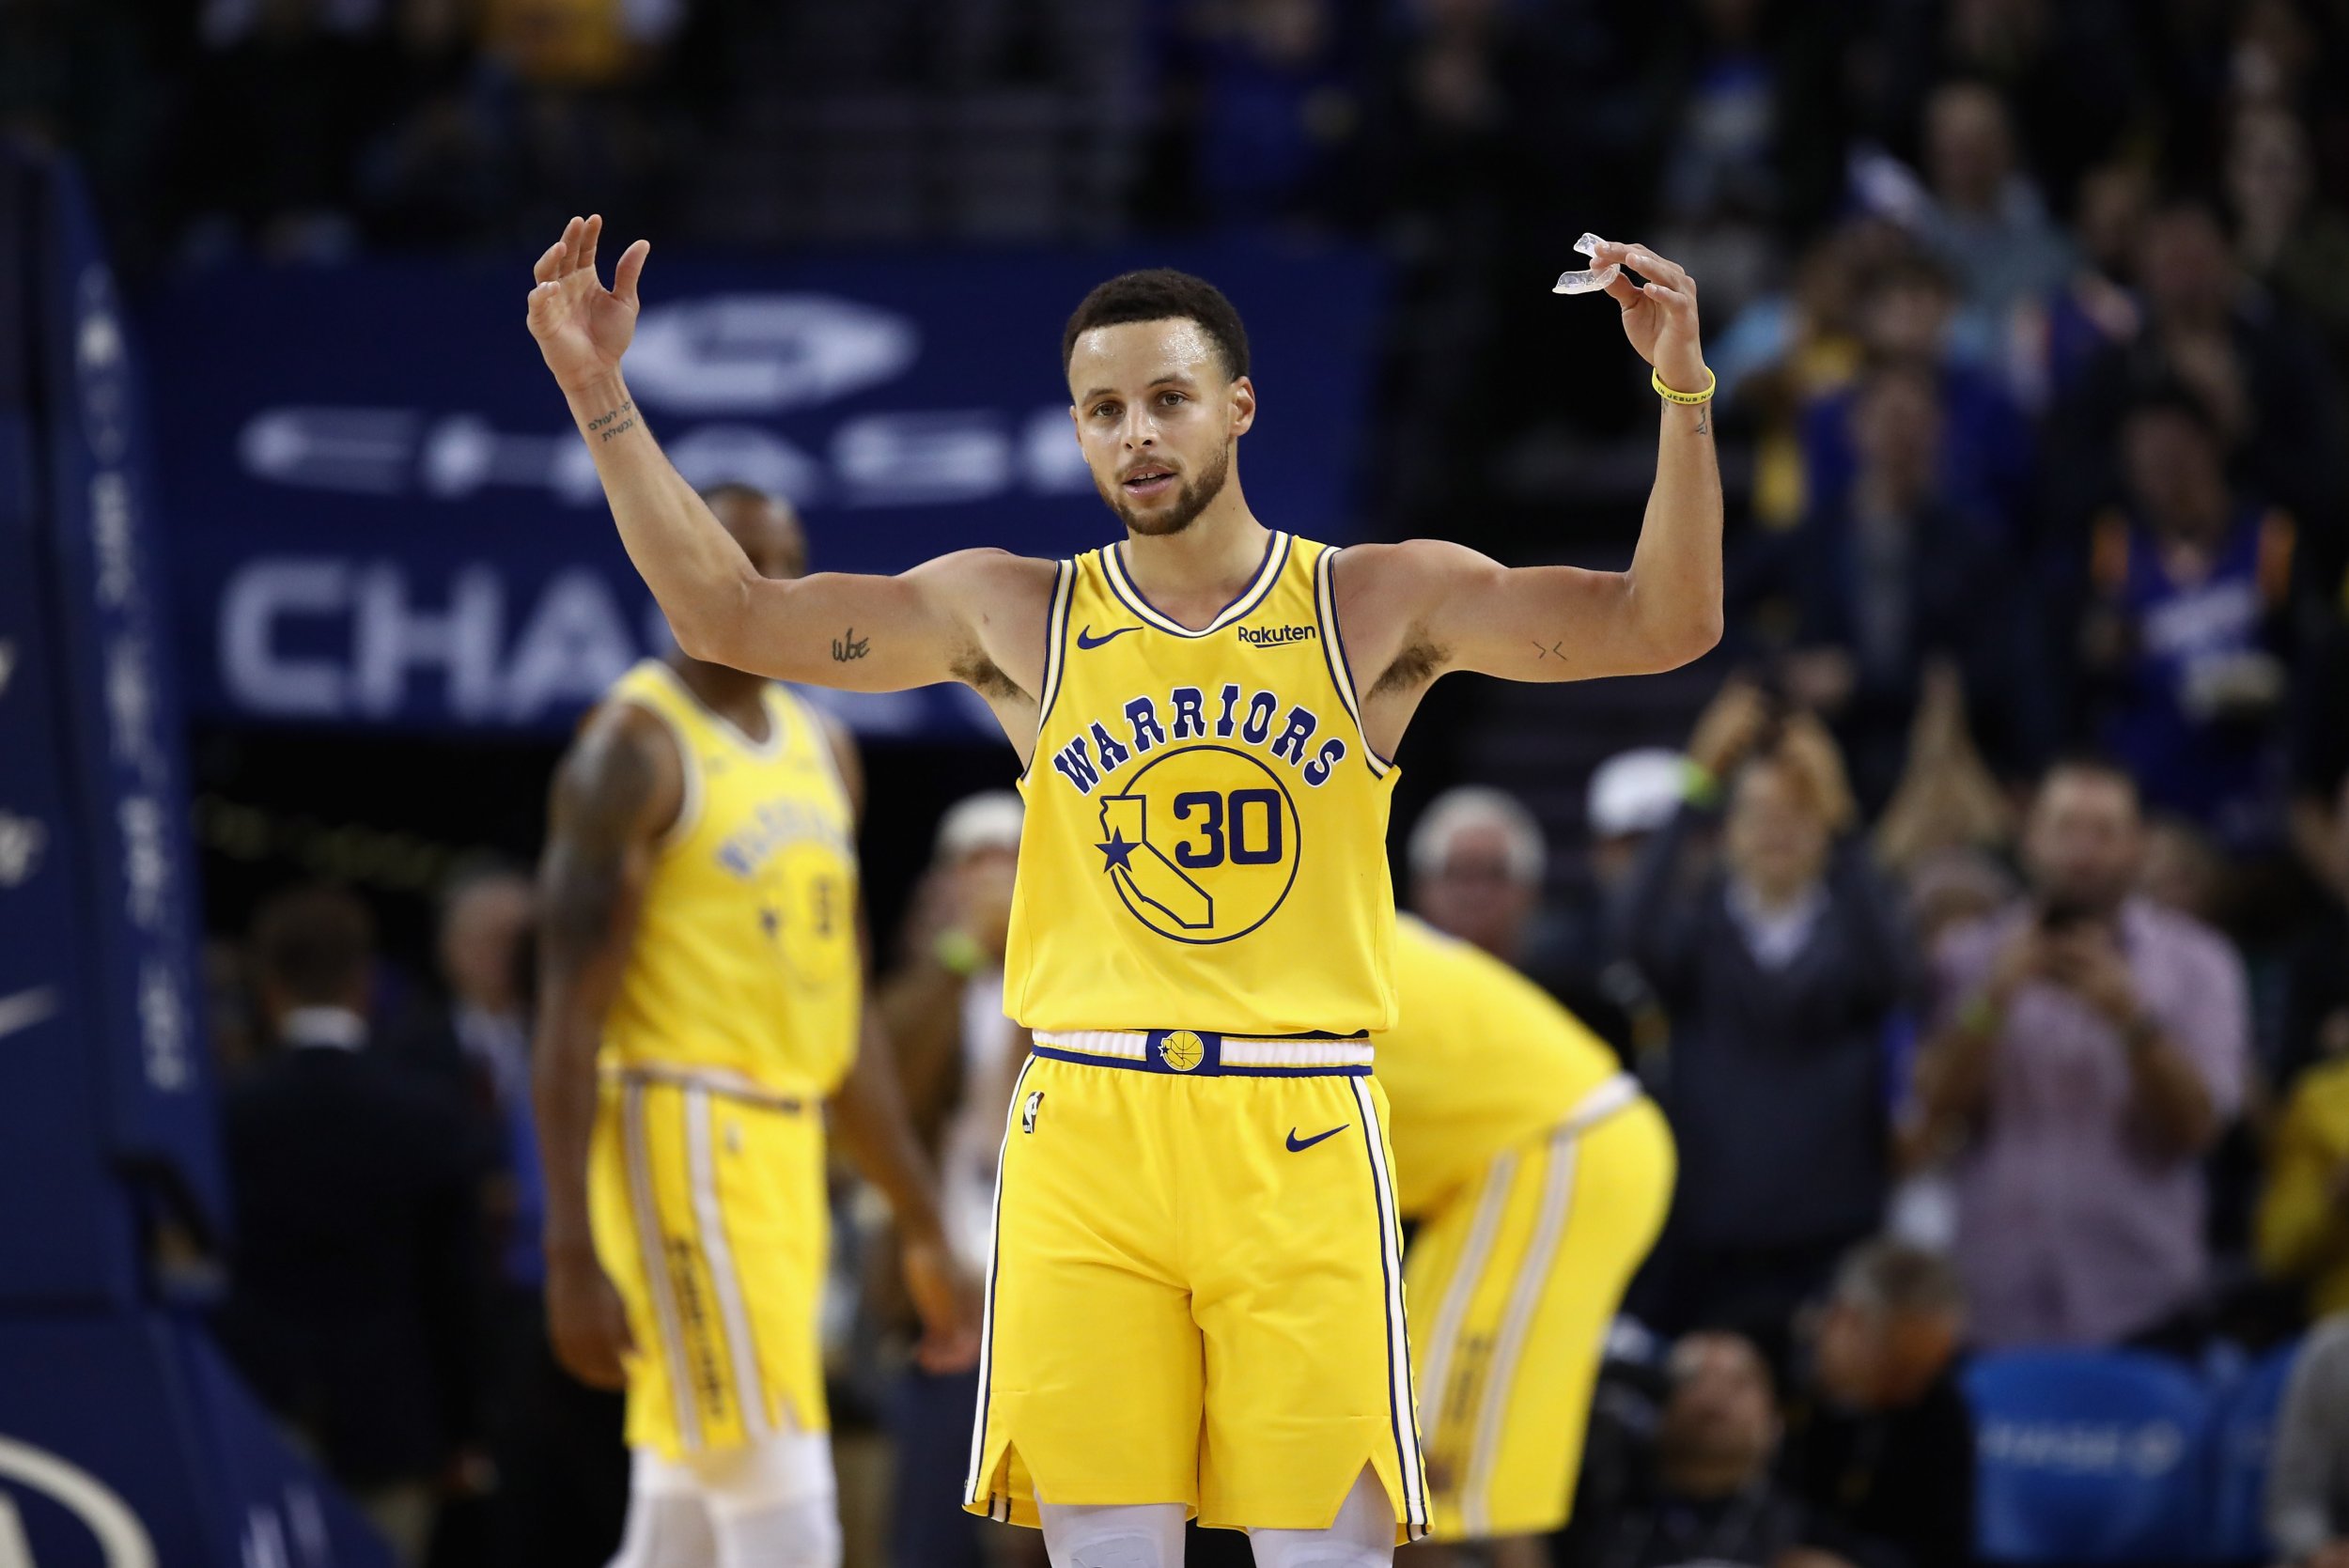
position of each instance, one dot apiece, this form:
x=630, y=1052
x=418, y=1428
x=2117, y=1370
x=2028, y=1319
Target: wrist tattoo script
x=849, y=646
x=604, y=426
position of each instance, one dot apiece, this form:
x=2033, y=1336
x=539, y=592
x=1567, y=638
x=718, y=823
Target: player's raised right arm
x=832, y=628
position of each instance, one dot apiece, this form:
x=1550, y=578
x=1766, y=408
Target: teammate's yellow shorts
x=709, y=1211
x=1515, y=1279
x=1196, y=1294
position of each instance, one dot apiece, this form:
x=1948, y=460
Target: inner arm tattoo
x=849, y=646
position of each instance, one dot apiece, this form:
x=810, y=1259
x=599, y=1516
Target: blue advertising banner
x=72, y=1244
x=122, y=728
x=101, y=1075
x=381, y=515
x=126, y=1442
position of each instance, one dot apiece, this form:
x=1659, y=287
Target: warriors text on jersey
x=737, y=1015
x=1205, y=840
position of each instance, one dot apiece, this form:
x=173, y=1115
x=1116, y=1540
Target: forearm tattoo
x=605, y=426
x=849, y=646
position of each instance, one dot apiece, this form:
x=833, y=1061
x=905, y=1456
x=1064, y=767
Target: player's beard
x=1196, y=497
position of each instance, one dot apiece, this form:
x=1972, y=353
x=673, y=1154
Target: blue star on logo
x=1118, y=852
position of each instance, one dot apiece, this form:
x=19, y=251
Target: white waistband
x=715, y=1080
x=1134, y=1046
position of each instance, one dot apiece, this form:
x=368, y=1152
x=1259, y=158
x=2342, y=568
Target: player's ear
x=1243, y=395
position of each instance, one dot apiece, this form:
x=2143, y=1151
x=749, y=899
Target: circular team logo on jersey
x=1202, y=844
x=1182, y=1050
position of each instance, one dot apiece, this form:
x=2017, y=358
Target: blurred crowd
x=1984, y=927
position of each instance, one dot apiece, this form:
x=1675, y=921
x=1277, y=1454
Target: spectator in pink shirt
x=2091, y=1046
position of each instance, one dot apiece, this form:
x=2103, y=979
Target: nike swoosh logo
x=26, y=1008
x=1087, y=640
x=1296, y=1143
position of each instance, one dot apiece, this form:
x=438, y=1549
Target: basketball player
x=702, y=992
x=1540, y=1176
x=1196, y=1303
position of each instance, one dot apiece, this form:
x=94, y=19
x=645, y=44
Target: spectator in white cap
x=1632, y=795
x=958, y=1057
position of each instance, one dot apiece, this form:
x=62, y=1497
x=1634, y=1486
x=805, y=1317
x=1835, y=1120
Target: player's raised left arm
x=1458, y=609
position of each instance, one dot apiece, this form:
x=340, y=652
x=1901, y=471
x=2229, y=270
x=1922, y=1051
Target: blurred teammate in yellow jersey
x=1539, y=1175
x=703, y=973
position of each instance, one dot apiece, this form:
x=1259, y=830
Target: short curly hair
x=1162, y=294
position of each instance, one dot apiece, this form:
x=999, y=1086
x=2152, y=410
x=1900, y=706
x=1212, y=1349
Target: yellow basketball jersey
x=746, y=960
x=1205, y=844
x=1480, y=1059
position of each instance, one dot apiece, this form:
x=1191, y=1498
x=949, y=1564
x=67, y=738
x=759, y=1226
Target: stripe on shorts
x=1467, y=1276
x=1525, y=1294
x=636, y=1149
x=972, y=1480
x=1401, y=1410
x=711, y=1220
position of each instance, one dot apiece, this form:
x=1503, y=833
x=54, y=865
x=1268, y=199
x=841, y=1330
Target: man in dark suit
x=1879, y=1441
x=474, y=1035
x=352, y=1294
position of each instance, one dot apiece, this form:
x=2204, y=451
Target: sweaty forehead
x=1133, y=354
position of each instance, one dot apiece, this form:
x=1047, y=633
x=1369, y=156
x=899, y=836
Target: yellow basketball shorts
x=709, y=1211
x=1196, y=1294
x=1515, y=1279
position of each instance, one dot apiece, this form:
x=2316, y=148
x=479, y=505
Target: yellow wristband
x=1655, y=379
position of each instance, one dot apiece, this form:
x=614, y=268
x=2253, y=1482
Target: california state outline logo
x=1202, y=844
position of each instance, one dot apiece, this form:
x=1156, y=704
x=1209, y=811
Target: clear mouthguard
x=1592, y=280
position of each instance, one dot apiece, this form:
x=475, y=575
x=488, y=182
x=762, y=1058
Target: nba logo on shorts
x=1027, y=1112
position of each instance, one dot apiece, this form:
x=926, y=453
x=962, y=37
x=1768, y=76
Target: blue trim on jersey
x=1055, y=654
x=1333, y=652
x=1267, y=574
x=1211, y=1066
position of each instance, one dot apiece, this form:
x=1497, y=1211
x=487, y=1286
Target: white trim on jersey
x=972, y=1480
x=1333, y=655
x=1467, y=1274
x=636, y=1153
x=1269, y=570
x=750, y=1389
x=1403, y=1410
x=1525, y=1294
x=1055, y=654
x=765, y=750
x=688, y=811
